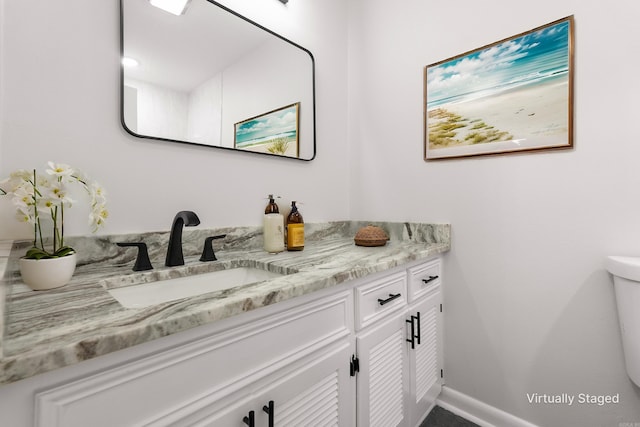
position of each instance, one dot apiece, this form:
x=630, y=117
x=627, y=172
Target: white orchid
x=16, y=178
x=45, y=205
x=22, y=196
x=59, y=169
x=98, y=216
x=36, y=195
x=98, y=195
x=23, y=216
x=59, y=192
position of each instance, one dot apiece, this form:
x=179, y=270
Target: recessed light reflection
x=177, y=7
x=129, y=62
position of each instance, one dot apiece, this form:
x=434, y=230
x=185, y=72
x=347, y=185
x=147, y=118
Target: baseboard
x=476, y=411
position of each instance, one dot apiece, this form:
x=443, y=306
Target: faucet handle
x=207, y=252
x=142, y=261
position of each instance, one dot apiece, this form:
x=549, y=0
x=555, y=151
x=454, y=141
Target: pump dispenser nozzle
x=272, y=207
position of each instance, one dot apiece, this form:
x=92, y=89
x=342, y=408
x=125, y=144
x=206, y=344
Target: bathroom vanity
x=347, y=335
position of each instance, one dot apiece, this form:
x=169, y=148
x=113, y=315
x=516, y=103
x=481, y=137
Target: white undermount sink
x=152, y=293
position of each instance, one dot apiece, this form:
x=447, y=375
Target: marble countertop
x=46, y=330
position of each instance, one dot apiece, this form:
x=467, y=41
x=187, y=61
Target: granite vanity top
x=45, y=330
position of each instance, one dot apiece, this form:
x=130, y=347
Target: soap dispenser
x=295, y=229
x=273, y=227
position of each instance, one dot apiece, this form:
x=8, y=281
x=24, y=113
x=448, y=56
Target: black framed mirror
x=212, y=77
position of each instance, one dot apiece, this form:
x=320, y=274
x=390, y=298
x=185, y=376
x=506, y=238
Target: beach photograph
x=513, y=95
x=275, y=132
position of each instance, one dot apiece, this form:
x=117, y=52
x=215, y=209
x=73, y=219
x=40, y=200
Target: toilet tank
x=626, y=282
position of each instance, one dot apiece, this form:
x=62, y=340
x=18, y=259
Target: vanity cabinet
x=400, y=354
x=365, y=353
x=281, y=357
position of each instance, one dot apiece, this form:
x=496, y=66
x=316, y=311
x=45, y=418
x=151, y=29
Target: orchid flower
x=36, y=196
x=59, y=169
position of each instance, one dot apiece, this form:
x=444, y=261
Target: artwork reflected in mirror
x=275, y=132
x=203, y=75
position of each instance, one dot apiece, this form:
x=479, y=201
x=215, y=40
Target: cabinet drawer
x=174, y=378
x=424, y=278
x=377, y=298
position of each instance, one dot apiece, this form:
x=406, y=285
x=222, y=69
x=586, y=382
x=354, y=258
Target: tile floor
x=439, y=417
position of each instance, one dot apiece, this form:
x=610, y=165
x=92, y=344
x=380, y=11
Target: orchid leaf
x=64, y=251
x=37, y=253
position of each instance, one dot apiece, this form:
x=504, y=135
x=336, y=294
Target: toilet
x=626, y=282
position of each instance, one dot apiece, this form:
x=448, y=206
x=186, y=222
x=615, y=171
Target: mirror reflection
x=209, y=76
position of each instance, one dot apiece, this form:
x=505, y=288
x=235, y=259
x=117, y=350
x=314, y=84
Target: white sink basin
x=147, y=294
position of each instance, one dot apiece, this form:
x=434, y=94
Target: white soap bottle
x=273, y=227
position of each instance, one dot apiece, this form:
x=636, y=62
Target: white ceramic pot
x=43, y=274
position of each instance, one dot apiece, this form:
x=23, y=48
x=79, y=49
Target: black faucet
x=142, y=260
x=207, y=251
x=174, y=252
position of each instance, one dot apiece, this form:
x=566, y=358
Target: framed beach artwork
x=511, y=96
x=275, y=132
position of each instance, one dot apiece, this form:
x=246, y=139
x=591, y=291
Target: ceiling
x=182, y=52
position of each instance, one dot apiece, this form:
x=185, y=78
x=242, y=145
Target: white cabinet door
x=314, y=391
x=425, y=358
x=323, y=394
x=382, y=354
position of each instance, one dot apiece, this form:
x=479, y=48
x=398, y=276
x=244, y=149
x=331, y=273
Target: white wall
x=528, y=305
x=60, y=74
x=161, y=111
x=205, y=115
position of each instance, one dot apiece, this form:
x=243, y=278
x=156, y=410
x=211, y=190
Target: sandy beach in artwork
x=527, y=114
x=290, y=148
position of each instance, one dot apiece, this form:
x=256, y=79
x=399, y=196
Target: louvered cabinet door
x=320, y=394
x=425, y=358
x=383, y=372
x=314, y=391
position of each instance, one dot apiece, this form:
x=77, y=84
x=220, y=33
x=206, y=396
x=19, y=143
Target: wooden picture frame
x=510, y=96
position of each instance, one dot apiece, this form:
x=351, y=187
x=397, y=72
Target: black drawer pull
x=250, y=420
x=269, y=410
x=430, y=279
x=388, y=300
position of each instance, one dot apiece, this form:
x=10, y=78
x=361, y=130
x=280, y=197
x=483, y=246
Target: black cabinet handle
x=354, y=365
x=269, y=410
x=250, y=420
x=430, y=279
x=388, y=300
x=415, y=327
x=142, y=260
x=413, y=332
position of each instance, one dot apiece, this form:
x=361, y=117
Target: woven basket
x=371, y=236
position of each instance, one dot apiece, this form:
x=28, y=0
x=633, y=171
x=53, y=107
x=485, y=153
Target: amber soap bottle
x=295, y=229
